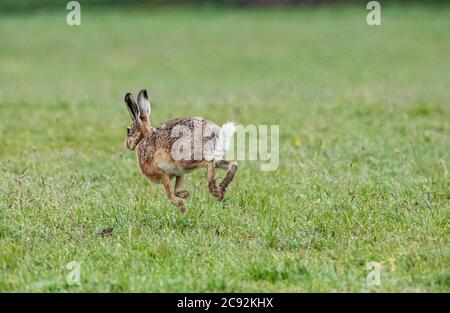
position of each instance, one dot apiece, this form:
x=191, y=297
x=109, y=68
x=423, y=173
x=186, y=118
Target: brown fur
x=153, y=149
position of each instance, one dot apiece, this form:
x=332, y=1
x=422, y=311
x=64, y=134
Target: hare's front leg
x=179, y=189
x=165, y=180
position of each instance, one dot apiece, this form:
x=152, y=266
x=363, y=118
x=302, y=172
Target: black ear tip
x=128, y=97
x=144, y=93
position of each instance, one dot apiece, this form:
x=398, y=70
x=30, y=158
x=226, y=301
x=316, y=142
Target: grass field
x=364, y=150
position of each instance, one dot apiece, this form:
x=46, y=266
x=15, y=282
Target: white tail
x=223, y=142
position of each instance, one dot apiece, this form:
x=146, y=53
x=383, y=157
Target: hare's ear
x=143, y=102
x=132, y=107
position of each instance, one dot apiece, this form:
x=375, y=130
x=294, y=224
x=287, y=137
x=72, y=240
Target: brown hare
x=178, y=147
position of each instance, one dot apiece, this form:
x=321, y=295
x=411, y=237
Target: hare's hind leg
x=165, y=180
x=212, y=181
x=231, y=168
x=179, y=189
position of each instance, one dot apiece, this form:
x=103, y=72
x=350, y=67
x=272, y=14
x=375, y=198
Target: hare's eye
x=128, y=130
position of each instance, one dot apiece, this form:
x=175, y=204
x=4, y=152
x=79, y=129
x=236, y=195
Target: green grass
x=364, y=150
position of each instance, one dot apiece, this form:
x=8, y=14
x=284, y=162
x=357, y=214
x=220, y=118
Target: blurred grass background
x=364, y=139
x=33, y=5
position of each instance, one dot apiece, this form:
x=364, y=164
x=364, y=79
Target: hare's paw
x=182, y=194
x=219, y=194
x=181, y=206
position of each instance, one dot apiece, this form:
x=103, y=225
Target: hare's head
x=140, y=115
